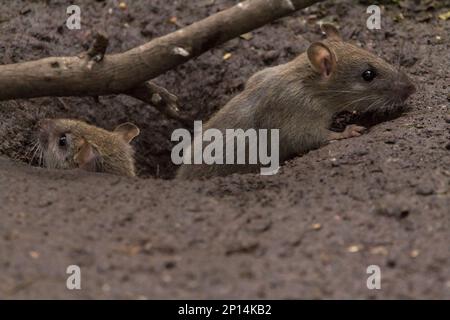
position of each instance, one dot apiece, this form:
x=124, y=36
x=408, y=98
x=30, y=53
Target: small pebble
x=247, y=36
x=380, y=250
x=316, y=226
x=173, y=20
x=34, y=254
x=354, y=248
x=414, y=253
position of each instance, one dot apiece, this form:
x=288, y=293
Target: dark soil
x=309, y=232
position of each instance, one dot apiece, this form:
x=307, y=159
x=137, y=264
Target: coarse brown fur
x=300, y=98
x=87, y=146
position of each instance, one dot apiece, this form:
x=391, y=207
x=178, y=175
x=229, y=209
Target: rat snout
x=405, y=86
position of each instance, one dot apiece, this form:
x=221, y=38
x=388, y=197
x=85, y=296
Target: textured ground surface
x=308, y=232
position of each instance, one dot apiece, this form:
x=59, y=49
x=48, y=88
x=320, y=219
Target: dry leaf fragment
x=227, y=56
x=444, y=16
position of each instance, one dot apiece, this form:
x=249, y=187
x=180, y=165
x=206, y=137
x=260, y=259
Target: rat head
x=352, y=79
x=70, y=144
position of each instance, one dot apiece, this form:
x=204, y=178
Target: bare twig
x=161, y=99
x=98, y=49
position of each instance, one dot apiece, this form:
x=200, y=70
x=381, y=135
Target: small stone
x=247, y=36
x=122, y=5
x=34, y=254
x=173, y=20
x=354, y=248
x=156, y=98
x=316, y=226
x=180, y=51
x=414, y=253
x=447, y=117
x=379, y=250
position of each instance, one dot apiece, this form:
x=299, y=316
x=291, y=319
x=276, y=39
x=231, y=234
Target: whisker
x=30, y=150
x=37, y=148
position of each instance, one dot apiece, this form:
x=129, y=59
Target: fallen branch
x=95, y=74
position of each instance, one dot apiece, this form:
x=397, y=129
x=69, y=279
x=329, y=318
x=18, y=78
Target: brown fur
x=300, y=101
x=110, y=150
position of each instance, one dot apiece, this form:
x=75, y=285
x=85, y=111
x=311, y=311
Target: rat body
x=70, y=144
x=300, y=98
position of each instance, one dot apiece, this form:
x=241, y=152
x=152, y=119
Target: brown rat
x=70, y=144
x=300, y=98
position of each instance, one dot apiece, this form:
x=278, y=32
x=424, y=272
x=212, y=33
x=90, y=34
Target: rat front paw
x=353, y=130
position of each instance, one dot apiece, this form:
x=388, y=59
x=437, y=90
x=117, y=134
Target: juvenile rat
x=70, y=144
x=300, y=98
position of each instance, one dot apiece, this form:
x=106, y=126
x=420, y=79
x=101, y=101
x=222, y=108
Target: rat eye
x=62, y=140
x=369, y=75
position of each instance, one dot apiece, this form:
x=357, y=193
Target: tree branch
x=129, y=72
x=161, y=99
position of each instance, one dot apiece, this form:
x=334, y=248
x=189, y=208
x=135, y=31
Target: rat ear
x=128, y=131
x=331, y=31
x=86, y=156
x=322, y=59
